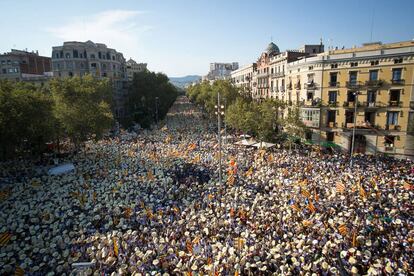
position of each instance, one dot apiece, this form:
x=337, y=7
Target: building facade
x=370, y=88
x=133, y=67
x=81, y=58
x=243, y=78
x=20, y=65
x=220, y=71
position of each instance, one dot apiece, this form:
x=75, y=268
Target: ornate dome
x=272, y=49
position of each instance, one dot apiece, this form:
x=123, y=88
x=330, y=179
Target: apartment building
x=19, y=65
x=243, y=78
x=370, y=88
x=75, y=58
x=133, y=67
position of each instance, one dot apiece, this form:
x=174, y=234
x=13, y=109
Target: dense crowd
x=150, y=203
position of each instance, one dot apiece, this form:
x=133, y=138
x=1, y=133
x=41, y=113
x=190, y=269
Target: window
x=8, y=62
x=353, y=77
x=410, y=126
x=394, y=96
x=4, y=71
x=113, y=57
x=11, y=70
x=392, y=118
x=108, y=56
x=93, y=65
x=396, y=74
x=373, y=75
x=371, y=96
x=70, y=74
x=309, y=96
x=398, y=60
x=3, y=62
x=333, y=96
x=354, y=64
x=81, y=55
x=75, y=54
x=93, y=56
x=67, y=55
x=333, y=78
x=374, y=62
x=99, y=55
x=334, y=65
x=389, y=141
x=330, y=136
x=310, y=68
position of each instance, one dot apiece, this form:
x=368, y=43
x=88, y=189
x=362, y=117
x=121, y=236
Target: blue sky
x=183, y=36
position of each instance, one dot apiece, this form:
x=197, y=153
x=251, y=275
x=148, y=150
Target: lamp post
x=156, y=110
x=356, y=93
x=219, y=112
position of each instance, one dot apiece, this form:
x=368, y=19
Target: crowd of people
x=151, y=203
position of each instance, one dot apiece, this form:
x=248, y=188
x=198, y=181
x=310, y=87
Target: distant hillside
x=184, y=81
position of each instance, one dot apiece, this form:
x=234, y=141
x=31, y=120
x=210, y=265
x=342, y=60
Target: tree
x=293, y=126
x=82, y=106
x=148, y=93
x=26, y=118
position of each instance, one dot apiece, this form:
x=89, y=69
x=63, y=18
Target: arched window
x=67, y=55
x=93, y=56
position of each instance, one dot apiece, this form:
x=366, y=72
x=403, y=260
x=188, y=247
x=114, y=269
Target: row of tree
x=268, y=120
x=150, y=97
x=31, y=116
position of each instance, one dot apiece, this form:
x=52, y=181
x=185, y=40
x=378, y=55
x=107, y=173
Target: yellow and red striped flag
x=306, y=223
x=189, y=246
x=305, y=193
x=354, y=241
x=296, y=207
x=230, y=180
x=340, y=187
x=116, y=248
x=362, y=192
x=270, y=158
x=311, y=207
x=316, y=195
x=5, y=238
x=19, y=271
x=249, y=172
x=343, y=230
x=240, y=243
x=196, y=240
x=408, y=186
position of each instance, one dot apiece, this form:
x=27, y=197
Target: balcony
x=374, y=83
x=398, y=82
x=395, y=104
x=297, y=86
x=282, y=88
x=351, y=104
x=277, y=74
x=332, y=104
x=310, y=85
x=389, y=148
x=353, y=85
x=393, y=127
x=333, y=84
x=332, y=124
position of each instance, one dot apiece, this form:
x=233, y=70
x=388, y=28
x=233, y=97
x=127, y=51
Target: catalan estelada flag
x=249, y=172
x=305, y=193
x=295, y=207
x=19, y=271
x=362, y=192
x=342, y=229
x=189, y=246
x=116, y=248
x=340, y=187
x=311, y=207
x=5, y=238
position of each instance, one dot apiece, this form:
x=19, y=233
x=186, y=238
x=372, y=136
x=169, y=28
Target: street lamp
x=219, y=112
x=156, y=110
x=356, y=93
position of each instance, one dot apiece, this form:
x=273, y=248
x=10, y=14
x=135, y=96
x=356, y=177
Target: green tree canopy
x=82, y=106
x=26, y=118
x=145, y=88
